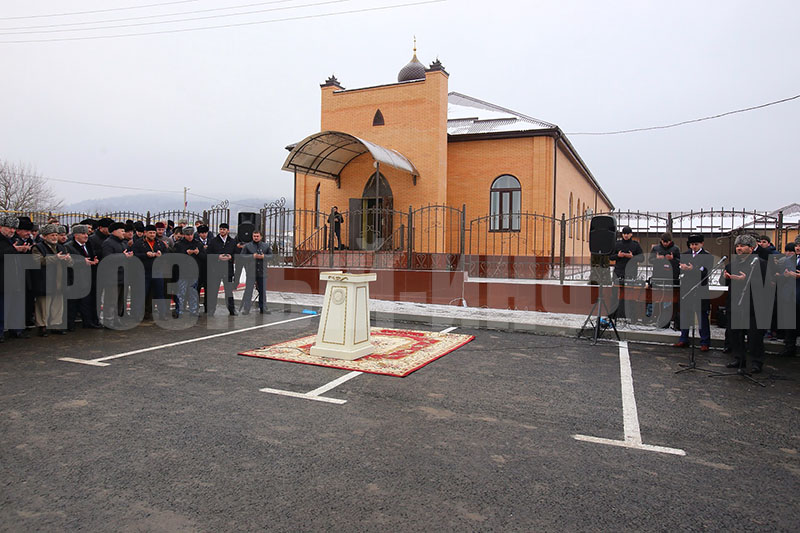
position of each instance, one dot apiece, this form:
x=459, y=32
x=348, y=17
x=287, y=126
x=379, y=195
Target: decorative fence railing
x=212, y=217
x=440, y=237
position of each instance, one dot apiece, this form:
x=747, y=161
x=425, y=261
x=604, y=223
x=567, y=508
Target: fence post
x=410, y=237
x=669, y=223
x=332, y=222
x=779, y=233
x=148, y=218
x=562, y=250
x=463, y=233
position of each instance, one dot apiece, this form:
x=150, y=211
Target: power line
x=98, y=10
x=208, y=17
x=683, y=123
x=100, y=184
x=36, y=176
x=234, y=25
x=217, y=200
x=143, y=17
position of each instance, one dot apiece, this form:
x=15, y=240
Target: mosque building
x=406, y=145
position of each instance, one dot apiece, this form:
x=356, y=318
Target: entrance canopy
x=326, y=153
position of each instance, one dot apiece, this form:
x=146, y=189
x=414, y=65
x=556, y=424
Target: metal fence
x=439, y=237
x=212, y=217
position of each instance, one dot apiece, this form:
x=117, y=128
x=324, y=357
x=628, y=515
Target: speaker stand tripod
x=602, y=309
x=692, y=364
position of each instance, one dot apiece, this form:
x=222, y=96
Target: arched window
x=377, y=120
x=384, y=189
x=316, y=207
x=505, y=204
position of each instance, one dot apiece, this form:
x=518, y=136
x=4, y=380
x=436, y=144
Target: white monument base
x=344, y=324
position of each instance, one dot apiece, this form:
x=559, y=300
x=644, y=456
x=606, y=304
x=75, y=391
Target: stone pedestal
x=344, y=323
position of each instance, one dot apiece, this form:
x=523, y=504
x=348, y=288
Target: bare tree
x=23, y=189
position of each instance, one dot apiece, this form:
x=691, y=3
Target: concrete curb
x=665, y=338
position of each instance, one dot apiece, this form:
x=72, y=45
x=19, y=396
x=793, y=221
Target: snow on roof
x=703, y=222
x=468, y=115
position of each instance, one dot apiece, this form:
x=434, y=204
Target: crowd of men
x=54, y=276
x=756, y=272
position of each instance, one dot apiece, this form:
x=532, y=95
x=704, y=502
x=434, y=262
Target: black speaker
x=245, y=233
x=249, y=218
x=602, y=234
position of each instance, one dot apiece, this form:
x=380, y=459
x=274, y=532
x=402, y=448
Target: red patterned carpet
x=398, y=352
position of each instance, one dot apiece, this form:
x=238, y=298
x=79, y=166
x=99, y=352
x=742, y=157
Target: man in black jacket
x=187, y=297
x=83, y=256
x=254, y=254
x=114, y=304
x=626, y=256
x=696, y=264
x=221, y=250
x=101, y=234
x=739, y=275
x=8, y=248
x=147, y=251
x=201, y=237
x=790, y=271
x=665, y=258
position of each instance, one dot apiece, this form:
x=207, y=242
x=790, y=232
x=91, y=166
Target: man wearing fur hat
x=695, y=264
x=188, y=289
x=147, y=251
x=81, y=251
x=790, y=270
x=9, y=247
x=99, y=236
x=24, y=237
x=738, y=276
x=114, y=304
x=49, y=281
x=221, y=252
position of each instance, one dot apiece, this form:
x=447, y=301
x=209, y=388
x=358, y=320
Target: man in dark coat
x=114, y=304
x=201, y=237
x=665, y=258
x=254, y=254
x=765, y=247
x=8, y=248
x=100, y=235
x=739, y=275
x=83, y=256
x=627, y=255
x=696, y=263
x=221, y=251
x=147, y=251
x=25, y=237
x=790, y=270
x=187, y=297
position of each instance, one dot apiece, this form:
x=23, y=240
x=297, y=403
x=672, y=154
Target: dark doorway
x=371, y=215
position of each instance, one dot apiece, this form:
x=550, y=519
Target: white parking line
x=316, y=393
x=100, y=360
x=630, y=416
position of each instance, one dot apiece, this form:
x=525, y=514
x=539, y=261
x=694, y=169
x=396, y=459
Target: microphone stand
x=743, y=359
x=692, y=364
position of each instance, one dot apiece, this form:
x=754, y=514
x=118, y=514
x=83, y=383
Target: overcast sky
x=214, y=109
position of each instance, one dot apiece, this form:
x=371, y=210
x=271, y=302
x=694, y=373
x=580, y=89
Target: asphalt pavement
x=180, y=438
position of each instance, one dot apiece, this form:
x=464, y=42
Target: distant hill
x=141, y=203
